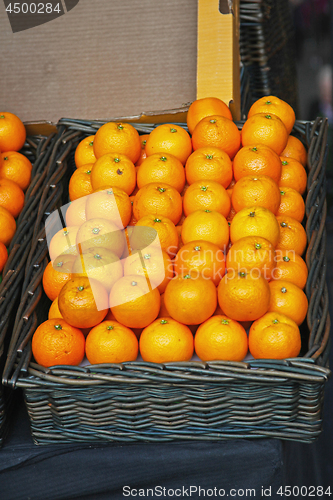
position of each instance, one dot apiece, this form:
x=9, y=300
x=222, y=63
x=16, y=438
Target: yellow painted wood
x=218, y=56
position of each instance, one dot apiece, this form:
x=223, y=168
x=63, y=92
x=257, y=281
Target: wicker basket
x=246, y=94
x=38, y=149
x=267, y=48
x=141, y=401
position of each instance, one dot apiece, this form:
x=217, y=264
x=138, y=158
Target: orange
x=117, y=137
x=293, y=174
x=166, y=340
x=133, y=302
x=233, y=182
x=112, y=204
x=256, y=190
x=255, y=221
x=159, y=226
x=162, y=167
x=244, y=297
x=206, y=225
x=207, y=106
x=180, y=241
x=268, y=129
x=206, y=195
x=114, y=170
x=158, y=198
x=245, y=324
x=287, y=298
x=80, y=182
x=100, y=264
x=12, y=132
x=143, y=154
x=169, y=138
x=183, y=217
x=55, y=342
x=217, y=131
x=182, y=194
x=190, y=299
x=137, y=332
x=136, y=189
x=292, y=203
x=3, y=256
x=218, y=310
x=232, y=212
x=274, y=336
x=111, y=342
x=221, y=338
x=16, y=167
x=201, y=258
x=257, y=159
x=76, y=212
x=84, y=152
x=100, y=232
x=251, y=254
x=56, y=274
x=11, y=197
x=275, y=106
x=83, y=302
x=109, y=316
x=295, y=149
x=154, y=264
x=7, y=226
x=290, y=267
x=292, y=235
x=163, y=310
x=209, y=163
x=133, y=220
x=63, y=242
x=54, y=310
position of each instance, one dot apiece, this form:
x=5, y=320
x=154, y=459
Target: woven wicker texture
x=38, y=149
x=145, y=401
x=246, y=94
x=267, y=48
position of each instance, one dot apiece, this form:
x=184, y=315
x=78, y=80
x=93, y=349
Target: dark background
x=313, y=25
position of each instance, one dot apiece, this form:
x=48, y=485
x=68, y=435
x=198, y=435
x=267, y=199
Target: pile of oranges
x=15, y=176
x=181, y=242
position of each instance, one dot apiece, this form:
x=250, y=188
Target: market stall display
x=189, y=400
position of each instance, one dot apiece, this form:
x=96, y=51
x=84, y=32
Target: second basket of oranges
x=24, y=170
x=182, y=294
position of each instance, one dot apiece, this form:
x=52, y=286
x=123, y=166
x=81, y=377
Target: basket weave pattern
x=194, y=400
x=267, y=48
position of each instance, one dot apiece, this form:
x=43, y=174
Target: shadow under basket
x=139, y=401
x=38, y=149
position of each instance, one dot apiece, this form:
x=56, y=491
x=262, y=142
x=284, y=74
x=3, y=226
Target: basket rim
x=270, y=372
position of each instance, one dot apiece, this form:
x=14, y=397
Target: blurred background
x=312, y=38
